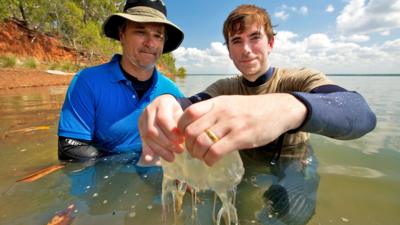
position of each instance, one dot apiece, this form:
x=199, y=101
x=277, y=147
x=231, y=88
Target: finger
x=206, y=141
x=194, y=121
x=193, y=113
x=200, y=146
x=151, y=133
x=167, y=117
x=225, y=145
x=160, y=151
x=147, y=155
x=158, y=137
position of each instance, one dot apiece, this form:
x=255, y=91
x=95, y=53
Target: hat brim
x=174, y=33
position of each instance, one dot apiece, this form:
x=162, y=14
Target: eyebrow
x=234, y=39
x=142, y=27
x=255, y=33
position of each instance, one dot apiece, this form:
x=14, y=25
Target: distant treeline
x=78, y=23
x=364, y=75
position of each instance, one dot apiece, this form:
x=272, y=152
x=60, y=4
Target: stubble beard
x=139, y=65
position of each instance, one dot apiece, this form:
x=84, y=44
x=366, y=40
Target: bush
x=30, y=63
x=69, y=67
x=65, y=67
x=181, y=72
x=54, y=66
x=7, y=61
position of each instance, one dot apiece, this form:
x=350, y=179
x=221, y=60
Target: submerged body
x=222, y=178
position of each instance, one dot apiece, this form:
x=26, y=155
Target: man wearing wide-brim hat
x=103, y=103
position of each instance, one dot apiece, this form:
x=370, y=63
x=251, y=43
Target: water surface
x=357, y=181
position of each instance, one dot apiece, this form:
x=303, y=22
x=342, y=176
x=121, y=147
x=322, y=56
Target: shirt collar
x=261, y=79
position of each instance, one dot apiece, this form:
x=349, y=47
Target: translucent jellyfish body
x=222, y=178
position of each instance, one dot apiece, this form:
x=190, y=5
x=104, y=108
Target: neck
x=262, y=79
x=254, y=77
x=137, y=71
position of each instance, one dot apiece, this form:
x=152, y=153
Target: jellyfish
x=222, y=178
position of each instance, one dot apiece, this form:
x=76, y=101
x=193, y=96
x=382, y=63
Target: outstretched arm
x=337, y=113
x=158, y=129
x=240, y=122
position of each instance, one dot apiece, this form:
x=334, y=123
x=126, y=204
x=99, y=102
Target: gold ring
x=211, y=135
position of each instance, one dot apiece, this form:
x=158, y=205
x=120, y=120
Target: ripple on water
x=354, y=171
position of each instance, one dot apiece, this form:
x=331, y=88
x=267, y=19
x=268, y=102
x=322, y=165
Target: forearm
x=341, y=115
x=76, y=150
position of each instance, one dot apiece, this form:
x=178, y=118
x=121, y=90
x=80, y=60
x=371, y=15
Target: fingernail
x=176, y=131
x=148, y=158
x=179, y=141
x=179, y=148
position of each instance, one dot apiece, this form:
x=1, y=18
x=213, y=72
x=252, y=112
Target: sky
x=335, y=37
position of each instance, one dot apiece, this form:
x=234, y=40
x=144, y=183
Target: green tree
x=168, y=61
x=78, y=22
x=181, y=72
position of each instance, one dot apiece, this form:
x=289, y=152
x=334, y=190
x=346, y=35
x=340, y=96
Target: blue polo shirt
x=101, y=106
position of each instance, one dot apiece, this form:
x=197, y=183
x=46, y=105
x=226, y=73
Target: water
x=222, y=178
x=357, y=181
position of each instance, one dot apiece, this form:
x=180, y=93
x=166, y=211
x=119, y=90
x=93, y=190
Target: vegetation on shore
x=77, y=23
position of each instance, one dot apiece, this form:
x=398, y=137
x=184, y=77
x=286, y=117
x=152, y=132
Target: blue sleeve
x=341, y=115
x=77, y=114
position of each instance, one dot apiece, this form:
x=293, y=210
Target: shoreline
x=11, y=78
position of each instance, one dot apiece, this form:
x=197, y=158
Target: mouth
x=247, y=60
x=148, y=53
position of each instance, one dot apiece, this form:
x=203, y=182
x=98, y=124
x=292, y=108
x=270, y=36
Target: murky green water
x=344, y=182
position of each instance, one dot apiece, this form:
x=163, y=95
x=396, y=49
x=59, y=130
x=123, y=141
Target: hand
x=158, y=129
x=240, y=122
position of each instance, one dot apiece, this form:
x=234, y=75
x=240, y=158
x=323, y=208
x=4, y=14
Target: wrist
x=298, y=112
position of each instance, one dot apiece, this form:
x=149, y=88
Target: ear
x=121, y=34
x=271, y=44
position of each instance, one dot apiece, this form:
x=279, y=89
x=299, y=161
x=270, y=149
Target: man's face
x=142, y=44
x=249, y=51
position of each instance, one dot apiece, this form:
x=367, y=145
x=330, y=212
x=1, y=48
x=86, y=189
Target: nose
x=150, y=41
x=246, y=48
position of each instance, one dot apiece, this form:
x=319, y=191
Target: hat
x=145, y=11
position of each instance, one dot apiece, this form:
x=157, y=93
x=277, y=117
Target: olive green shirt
x=282, y=81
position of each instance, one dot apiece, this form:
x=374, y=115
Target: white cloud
x=330, y=8
x=318, y=41
x=204, y=61
x=385, y=33
x=303, y=10
x=281, y=15
x=355, y=38
x=346, y=54
x=284, y=10
x=361, y=16
x=392, y=47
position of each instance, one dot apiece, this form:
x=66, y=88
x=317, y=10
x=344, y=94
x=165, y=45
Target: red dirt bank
x=18, y=40
x=17, y=78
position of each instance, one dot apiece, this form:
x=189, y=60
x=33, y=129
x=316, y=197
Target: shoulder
x=300, y=72
x=97, y=70
x=224, y=86
x=166, y=85
x=302, y=79
x=91, y=78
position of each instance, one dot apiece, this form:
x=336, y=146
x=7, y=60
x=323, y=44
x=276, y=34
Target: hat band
x=146, y=11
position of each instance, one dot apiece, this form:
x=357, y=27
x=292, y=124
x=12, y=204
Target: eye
x=159, y=37
x=236, y=41
x=255, y=37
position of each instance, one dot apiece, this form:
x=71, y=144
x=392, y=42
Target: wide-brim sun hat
x=145, y=11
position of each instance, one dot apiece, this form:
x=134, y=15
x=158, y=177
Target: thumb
x=148, y=157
